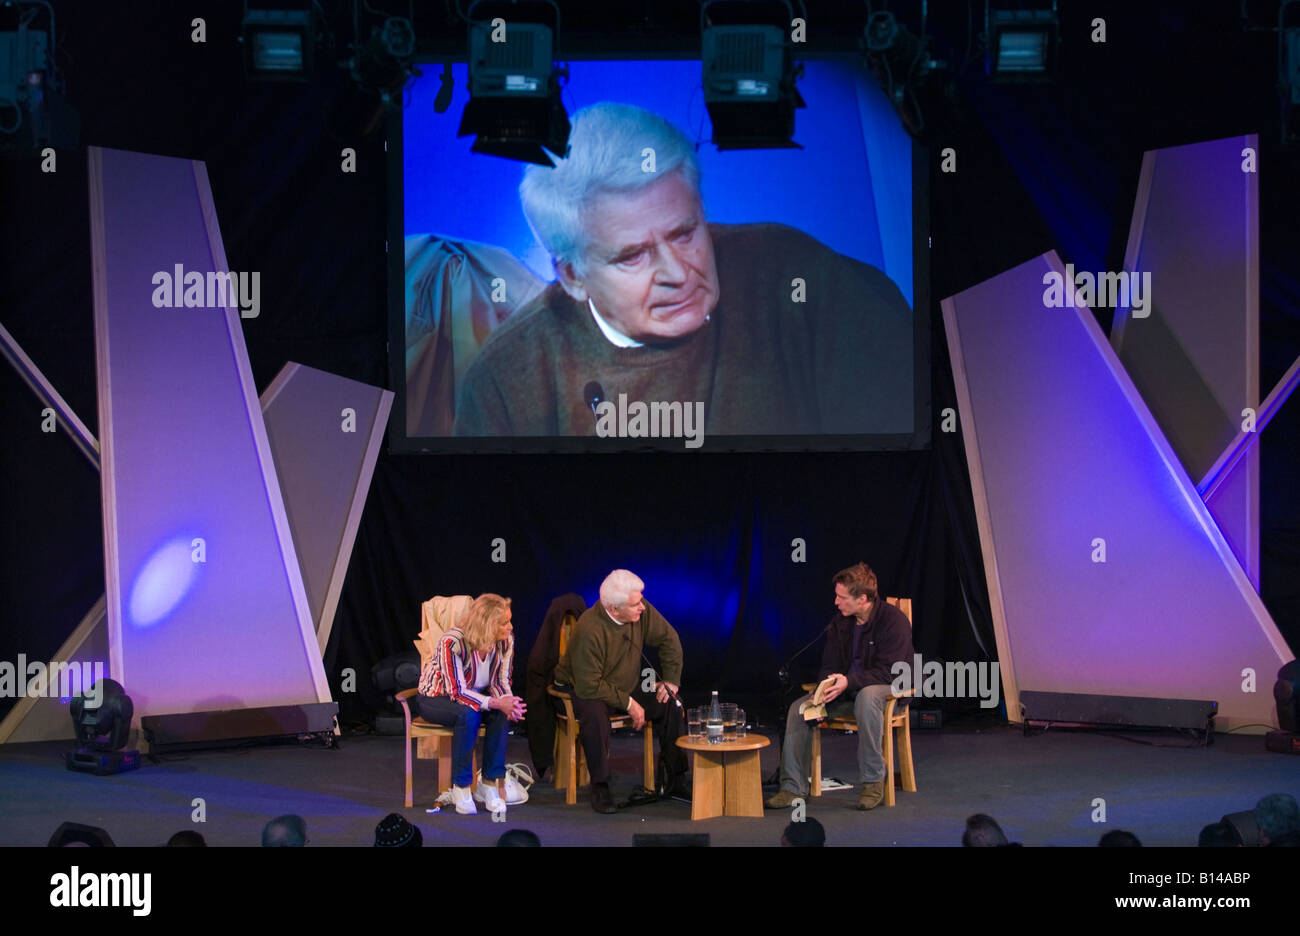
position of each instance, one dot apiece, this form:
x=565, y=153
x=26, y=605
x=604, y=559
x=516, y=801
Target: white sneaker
x=486, y=793
x=463, y=801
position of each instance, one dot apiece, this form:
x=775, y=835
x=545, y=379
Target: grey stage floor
x=1043, y=789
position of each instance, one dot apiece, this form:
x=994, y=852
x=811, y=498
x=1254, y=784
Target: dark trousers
x=464, y=723
x=593, y=731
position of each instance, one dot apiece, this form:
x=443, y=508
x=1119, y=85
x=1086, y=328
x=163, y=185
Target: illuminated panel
x=206, y=606
x=1066, y=459
x=1195, y=356
x=325, y=432
x=320, y=464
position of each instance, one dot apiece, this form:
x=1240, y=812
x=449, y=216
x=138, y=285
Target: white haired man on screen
x=601, y=668
x=775, y=333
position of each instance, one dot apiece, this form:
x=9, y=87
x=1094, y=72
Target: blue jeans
x=464, y=723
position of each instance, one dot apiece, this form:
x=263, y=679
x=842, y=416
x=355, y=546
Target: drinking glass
x=729, y=710
x=695, y=723
x=740, y=723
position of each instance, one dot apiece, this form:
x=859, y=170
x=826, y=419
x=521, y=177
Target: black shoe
x=601, y=801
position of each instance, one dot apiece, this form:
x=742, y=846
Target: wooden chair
x=895, y=719
x=570, y=762
x=439, y=745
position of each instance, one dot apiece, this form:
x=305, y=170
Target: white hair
x=606, y=154
x=616, y=588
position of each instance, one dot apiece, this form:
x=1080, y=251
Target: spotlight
x=101, y=720
x=901, y=63
x=383, y=63
x=1286, y=693
x=514, y=108
x=277, y=44
x=1022, y=44
x=33, y=111
x=749, y=80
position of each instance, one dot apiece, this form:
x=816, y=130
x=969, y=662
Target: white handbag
x=518, y=779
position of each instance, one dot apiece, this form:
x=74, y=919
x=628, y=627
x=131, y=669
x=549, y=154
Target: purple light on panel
x=162, y=582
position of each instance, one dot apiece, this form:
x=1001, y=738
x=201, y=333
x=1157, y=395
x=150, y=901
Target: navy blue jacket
x=888, y=639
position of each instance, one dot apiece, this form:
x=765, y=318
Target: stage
x=1042, y=789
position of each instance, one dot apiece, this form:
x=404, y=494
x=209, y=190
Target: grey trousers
x=867, y=706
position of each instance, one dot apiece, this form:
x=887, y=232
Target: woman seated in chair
x=467, y=684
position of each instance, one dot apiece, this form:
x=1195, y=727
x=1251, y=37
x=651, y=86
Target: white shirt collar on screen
x=616, y=337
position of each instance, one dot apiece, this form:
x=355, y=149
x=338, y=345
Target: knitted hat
x=395, y=832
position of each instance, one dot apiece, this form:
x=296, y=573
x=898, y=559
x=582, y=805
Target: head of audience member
x=285, y=832
x=855, y=589
x=1218, y=835
x=186, y=838
x=983, y=832
x=394, y=831
x=806, y=834
x=487, y=622
x=1118, y=838
x=622, y=219
x=519, y=838
x=1277, y=816
x=620, y=596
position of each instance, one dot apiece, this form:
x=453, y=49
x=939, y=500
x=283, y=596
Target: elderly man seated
x=602, y=669
x=759, y=327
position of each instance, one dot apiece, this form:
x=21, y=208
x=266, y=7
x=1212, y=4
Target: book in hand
x=815, y=708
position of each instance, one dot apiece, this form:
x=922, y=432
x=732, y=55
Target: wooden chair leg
x=409, y=794
x=444, y=763
x=648, y=745
x=905, y=757
x=571, y=787
x=889, y=763
x=817, y=760
x=559, y=759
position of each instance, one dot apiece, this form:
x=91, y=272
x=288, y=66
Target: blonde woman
x=467, y=684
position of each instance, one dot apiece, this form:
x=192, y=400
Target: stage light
x=514, y=108
x=383, y=64
x=901, y=63
x=1286, y=693
x=750, y=79
x=101, y=720
x=33, y=111
x=278, y=44
x=1022, y=44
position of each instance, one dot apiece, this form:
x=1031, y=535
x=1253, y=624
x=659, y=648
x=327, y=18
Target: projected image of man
x=773, y=332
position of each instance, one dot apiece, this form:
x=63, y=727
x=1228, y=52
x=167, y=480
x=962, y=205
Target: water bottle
x=713, y=725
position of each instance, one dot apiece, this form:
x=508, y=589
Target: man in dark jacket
x=863, y=643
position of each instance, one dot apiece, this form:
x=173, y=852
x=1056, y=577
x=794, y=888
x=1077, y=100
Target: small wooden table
x=726, y=780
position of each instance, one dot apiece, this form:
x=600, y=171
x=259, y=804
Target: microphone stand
x=783, y=690
x=652, y=796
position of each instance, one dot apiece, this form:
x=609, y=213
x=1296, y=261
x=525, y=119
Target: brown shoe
x=872, y=795
x=781, y=800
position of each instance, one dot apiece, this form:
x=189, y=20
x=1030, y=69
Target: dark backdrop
x=1038, y=167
